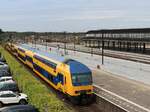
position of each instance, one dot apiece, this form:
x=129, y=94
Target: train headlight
x=77, y=92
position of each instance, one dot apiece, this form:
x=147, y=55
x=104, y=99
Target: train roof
x=56, y=57
x=75, y=66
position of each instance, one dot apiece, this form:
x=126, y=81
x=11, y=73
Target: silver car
x=4, y=69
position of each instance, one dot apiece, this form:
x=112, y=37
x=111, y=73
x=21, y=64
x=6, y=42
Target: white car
x=6, y=79
x=3, y=65
x=9, y=97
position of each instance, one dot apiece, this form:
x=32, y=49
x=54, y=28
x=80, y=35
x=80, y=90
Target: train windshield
x=81, y=79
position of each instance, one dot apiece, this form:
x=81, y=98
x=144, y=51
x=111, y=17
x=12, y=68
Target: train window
x=65, y=80
x=81, y=79
x=47, y=62
x=61, y=78
x=29, y=59
x=22, y=57
x=21, y=50
x=46, y=74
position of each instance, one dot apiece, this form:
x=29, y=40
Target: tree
x=1, y=31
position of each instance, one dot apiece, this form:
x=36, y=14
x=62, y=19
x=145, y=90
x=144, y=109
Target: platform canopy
x=119, y=31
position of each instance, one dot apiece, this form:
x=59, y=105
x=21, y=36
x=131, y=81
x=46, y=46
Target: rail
x=122, y=103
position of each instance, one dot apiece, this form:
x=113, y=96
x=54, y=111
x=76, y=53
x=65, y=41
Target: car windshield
x=1, y=63
x=4, y=73
x=82, y=79
x=9, y=86
x=18, y=94
x=1, y=86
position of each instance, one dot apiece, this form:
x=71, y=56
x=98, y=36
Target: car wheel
x=1, y=104
x=23, y=102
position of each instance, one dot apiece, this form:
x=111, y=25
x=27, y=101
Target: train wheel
x=75, y=101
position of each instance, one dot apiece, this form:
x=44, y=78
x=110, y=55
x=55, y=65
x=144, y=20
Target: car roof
x=8, y=83
x=11, y=82
x=17, y=107
x=4, y=77
x=1, y=62
x=5, y=92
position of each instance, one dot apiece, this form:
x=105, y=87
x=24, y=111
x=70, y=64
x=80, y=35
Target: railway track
x=123, y=104
x=115, y=100
x=90, y=108
x=129, y=56
x=115, y=54
x=75, y=108
x=94, y=107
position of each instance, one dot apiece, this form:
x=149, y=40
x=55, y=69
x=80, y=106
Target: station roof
x=135, y=30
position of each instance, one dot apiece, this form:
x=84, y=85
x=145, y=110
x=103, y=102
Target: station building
x=134, y=40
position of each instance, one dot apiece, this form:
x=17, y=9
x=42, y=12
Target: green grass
x=38, y=94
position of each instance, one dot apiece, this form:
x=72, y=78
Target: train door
x=62, y=82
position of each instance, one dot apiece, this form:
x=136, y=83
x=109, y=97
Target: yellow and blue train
x=69, y=76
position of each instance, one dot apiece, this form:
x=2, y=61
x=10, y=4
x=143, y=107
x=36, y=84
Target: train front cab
x=79, y=82
x=58, y=75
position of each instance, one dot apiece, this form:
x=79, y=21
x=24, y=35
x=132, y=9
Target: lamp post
x=46, y=43
x=35, y=40
x=32, y=41
x=92, y=50
x=102, y=48
x=65, y=43
x=75, y=42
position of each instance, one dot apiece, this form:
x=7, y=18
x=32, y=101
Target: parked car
x=19, y=108
x=3, y=64
x=6, y=79
x=4, y=69
x=2, y=59
x=4, y=72
x=9, y=86
x=9, y=97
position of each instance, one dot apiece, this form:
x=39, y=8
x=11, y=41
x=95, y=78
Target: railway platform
x=128, y=94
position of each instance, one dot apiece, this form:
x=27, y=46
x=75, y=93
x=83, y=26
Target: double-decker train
x=69, y=76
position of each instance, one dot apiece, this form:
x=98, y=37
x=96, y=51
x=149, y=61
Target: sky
x=73, y=15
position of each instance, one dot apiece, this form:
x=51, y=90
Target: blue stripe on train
x=29, y=59
x=46, y=74
x=22, y=57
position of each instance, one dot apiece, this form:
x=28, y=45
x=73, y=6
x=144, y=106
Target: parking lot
x=37, y=94
x=11, y=96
